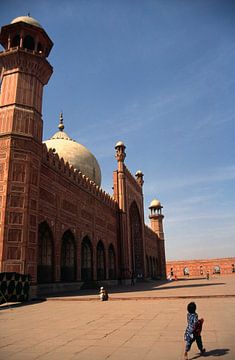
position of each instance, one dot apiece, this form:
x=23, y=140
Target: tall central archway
x=136, y=240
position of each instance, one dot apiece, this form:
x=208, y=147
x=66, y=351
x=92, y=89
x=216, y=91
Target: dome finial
x=61, y=125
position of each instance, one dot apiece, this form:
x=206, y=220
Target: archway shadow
x=214, y=352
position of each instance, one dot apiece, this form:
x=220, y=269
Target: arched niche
x=112, y=263
x=100, y=261
x=45, y=261
x=86, y=260
x=68, y=257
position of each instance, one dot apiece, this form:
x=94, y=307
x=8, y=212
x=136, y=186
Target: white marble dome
x=75, y=154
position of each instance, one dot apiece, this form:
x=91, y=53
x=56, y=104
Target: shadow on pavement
x=215, y=352
x=11, y=306
x=188, y=286
x=138, y=287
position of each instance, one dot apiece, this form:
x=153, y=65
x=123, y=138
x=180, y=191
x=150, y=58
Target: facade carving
x=57, y=224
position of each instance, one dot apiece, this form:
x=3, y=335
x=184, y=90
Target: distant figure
x=208, y=275
x=103, y=294
x=193, y=330
x=169, y=277
x=176, y=278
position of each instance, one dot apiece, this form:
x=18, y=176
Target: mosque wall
x=68, y=206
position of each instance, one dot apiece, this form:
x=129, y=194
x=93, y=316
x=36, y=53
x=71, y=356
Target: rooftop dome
x=155, y=204
x=26, y=19
x=76, y=154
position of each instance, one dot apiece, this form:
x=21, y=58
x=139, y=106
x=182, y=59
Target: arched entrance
x=45, y=254
x=86, y=260
x=101, y=273
x=68, y=257
x=136, y=241
x=112, y=263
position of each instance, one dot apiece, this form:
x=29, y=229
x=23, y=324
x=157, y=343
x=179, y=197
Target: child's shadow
x=215, y=352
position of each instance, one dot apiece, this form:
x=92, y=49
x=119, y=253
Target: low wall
x=14, y=287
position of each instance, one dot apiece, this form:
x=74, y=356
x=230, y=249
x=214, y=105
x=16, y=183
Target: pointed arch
x=136, y=240
x=112, y=262
x=86, y=260
x=45, y=263
x=68, y=257
x=100, y=261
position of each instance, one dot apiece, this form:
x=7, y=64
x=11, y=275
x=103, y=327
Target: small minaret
x=139, y=177
x=120, y=192
x=156, y=218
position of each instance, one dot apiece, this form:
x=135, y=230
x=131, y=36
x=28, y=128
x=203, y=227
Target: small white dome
x=155, y=204
x=119, y=143
x=27, y=20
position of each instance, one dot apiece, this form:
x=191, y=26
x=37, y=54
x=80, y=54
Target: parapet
x=51, y=159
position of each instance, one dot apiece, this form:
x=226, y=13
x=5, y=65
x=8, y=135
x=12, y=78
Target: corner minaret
x=24, y=70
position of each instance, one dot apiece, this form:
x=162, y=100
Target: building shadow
x=214, y=352
x=140, y=286
x=12, y=306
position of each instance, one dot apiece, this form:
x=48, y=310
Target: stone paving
x=145, y=322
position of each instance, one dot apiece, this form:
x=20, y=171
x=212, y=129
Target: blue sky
x=160, y=76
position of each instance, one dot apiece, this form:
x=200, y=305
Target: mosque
x=57, y=224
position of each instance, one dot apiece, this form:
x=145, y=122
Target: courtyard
x=145, y=321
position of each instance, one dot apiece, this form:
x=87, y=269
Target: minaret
x=121, y=189
x=156, y=218
x=24, y=71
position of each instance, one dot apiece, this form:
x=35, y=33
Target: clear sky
x=160, y=76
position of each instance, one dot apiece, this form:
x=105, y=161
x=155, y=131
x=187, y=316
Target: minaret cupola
x=25, y=32
x=139, y=177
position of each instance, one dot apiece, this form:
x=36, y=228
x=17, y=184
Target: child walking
x=193, y=330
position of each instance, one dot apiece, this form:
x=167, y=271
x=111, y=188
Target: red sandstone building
x=57, y=223
x=201, y=267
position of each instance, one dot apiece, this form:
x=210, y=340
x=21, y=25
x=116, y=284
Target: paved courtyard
x=145, y=321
